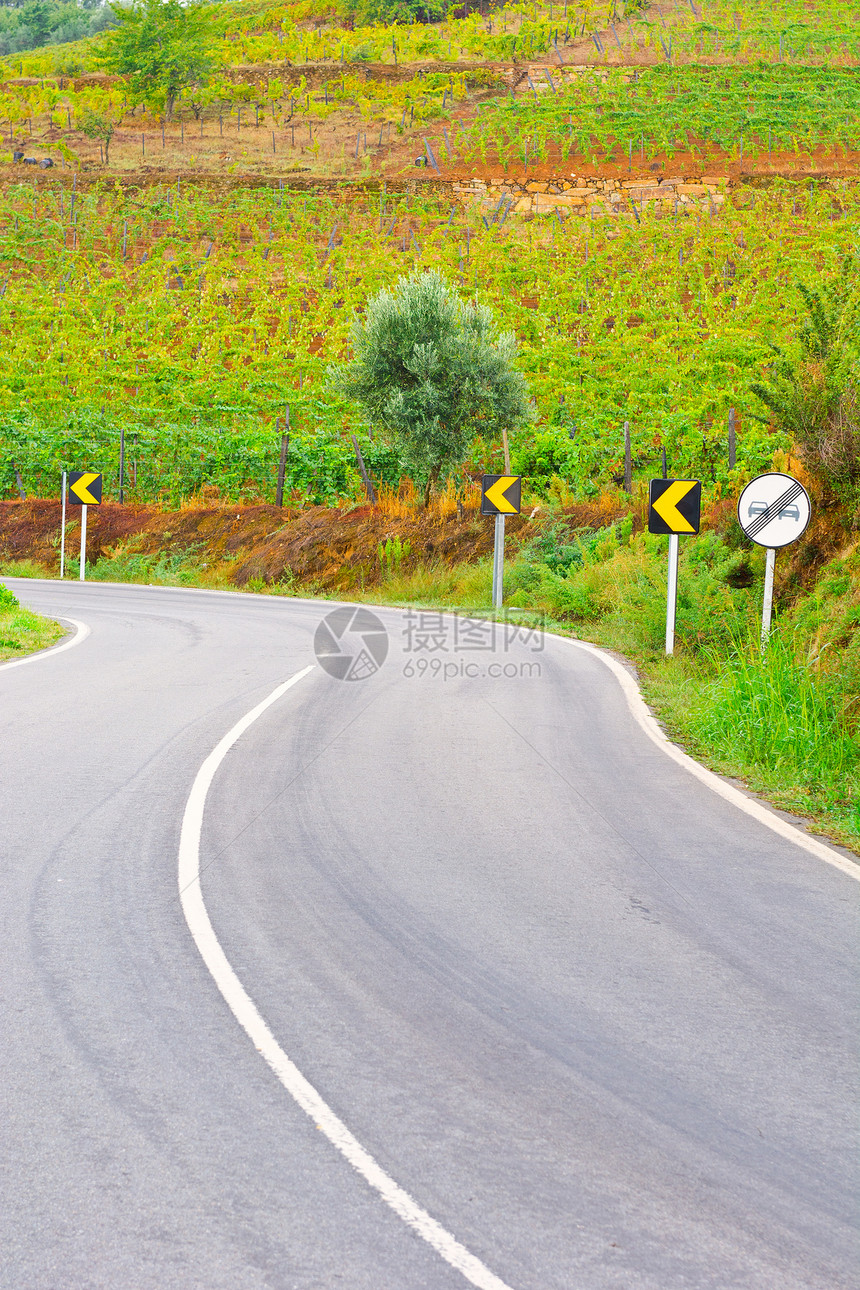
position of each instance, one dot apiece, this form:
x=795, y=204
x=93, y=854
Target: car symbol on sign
x=787, y=512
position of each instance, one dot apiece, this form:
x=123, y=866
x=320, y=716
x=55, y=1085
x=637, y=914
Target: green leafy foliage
x=50, y=22
x=8, y=599
x=618, y=577
x=367, y=13
x=814, y=394
x=161, y=47
x=392, y=553
x=101, y=118
x=433, y=373
x=168, y=462
x=794, y=32
x=613, y=113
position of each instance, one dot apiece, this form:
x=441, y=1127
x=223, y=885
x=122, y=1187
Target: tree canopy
x=49, y=22
x=161, y=47
x=433, y=372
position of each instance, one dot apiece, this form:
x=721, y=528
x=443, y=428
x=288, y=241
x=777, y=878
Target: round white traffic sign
x=774, y=510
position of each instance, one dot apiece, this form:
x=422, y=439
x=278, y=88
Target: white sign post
x=498, y=562
x=767, y=602
x=773, y=510
x=63, y=532
x=85, y=489
x=83, y=570
x=672, y=593
x=674, y=506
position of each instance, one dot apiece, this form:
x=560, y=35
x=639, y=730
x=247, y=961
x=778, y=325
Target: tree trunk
x=432, y=480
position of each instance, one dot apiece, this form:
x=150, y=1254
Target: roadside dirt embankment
x=325, y=548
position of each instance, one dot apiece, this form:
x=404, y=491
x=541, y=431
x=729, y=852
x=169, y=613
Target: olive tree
x=432, y=372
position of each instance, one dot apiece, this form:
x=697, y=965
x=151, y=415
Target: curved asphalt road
x=598, y=1022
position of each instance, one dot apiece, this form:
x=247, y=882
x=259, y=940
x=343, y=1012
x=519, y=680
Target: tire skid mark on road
x=245, y=1012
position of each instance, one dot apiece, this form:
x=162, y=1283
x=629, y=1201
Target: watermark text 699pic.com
x=444, y=646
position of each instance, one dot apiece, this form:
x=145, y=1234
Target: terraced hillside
x=634, y=192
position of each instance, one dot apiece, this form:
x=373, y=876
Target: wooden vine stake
x=368, y=482
x=282, y=464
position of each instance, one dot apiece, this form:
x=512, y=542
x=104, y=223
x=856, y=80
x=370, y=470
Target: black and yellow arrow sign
x=85, y=488
x=675, y=506
x=501, y=494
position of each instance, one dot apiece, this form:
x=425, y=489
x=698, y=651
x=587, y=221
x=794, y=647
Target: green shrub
x=557, y=548
x=8, y=600
x=814, y=393
x=177, y=568
x=619, y=578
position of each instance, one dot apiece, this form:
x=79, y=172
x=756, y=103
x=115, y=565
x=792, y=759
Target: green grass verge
x=771, y=721
x=21, y=631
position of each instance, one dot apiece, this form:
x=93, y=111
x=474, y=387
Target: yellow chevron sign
x=85, y=488
x=675, y=506
x=501, y=494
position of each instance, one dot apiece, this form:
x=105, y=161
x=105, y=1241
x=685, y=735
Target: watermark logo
x=351, y=644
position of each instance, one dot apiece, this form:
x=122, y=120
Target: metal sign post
x=501, y=495
x=773, y=510
x=767, y=605
x=675, y=506
x=63, y=532
x=672, y=593
x=499, y=562
x=83, y=570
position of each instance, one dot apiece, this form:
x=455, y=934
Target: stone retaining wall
x=579, y=195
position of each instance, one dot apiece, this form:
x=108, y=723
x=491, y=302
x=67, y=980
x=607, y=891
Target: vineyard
x=310, y=31
x=183, y=283
x=304, y=90
x=191, y=318
x=704, y=112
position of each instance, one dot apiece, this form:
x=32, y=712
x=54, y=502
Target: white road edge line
x=81, y=633
x=245, y=1012
x=644, y=718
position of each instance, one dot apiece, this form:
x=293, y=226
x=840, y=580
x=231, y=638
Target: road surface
x=600, y=1024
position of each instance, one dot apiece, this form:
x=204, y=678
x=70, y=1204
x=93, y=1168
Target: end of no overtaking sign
x=774, y=510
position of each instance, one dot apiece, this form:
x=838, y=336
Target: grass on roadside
x=771, y=721
x=21, y=631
